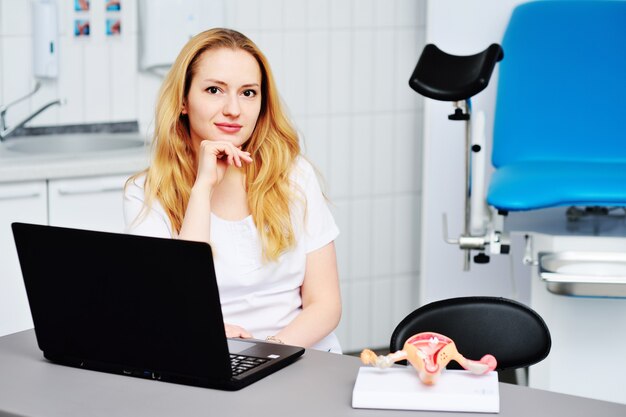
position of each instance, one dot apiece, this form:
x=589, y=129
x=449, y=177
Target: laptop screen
x=121, y=299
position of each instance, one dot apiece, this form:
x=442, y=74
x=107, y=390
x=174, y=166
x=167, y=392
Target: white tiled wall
x=342, y=67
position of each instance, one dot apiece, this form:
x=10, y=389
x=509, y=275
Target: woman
x=227, y=170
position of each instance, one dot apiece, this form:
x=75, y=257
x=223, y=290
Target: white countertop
x=17, y=166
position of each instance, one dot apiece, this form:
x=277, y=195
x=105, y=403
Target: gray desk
x=319, y=384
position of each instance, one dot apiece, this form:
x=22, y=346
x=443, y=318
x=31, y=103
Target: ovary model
x=429, y=353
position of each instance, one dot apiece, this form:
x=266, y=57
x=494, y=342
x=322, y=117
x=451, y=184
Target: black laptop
x=138, y=306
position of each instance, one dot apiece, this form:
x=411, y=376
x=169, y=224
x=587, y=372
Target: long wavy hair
x=273, y=145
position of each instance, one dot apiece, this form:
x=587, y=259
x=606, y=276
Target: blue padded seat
x=559, y=132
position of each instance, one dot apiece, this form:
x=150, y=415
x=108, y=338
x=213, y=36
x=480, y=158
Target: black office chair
x=512, y=332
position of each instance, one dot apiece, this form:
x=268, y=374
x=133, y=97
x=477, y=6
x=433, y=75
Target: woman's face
x=224, y=99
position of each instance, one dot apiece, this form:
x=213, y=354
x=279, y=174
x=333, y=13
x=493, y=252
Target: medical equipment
x=446, y=77
x=560, y=178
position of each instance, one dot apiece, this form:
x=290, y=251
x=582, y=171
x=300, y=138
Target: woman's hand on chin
x=214, y=157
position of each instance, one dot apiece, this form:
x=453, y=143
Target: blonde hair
x=273, y=145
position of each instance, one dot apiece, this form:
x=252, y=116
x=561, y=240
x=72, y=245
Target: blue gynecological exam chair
x=559, y=174
x=559, y=133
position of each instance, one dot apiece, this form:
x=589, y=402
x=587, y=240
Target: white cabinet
x=88, y=203
x=19, y=202
x=93, y=203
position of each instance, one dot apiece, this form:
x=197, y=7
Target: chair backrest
x=562, y=84
x=512, y=332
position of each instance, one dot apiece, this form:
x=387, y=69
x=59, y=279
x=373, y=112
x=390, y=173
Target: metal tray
x=584, y=274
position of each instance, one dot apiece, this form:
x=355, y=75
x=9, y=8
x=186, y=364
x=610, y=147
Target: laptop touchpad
x=238, y=346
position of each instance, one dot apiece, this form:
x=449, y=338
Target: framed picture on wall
x=81, y=5
x=81, y=27
x=113, y=26
x=113, y=5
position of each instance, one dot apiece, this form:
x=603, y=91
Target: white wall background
x=461, y=27
x=342, y=67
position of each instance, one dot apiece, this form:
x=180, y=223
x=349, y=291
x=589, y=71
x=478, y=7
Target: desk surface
x=319, y=384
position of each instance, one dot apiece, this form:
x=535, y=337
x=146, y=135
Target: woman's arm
x=321, y=300
x=214, y=158
x=197, y=221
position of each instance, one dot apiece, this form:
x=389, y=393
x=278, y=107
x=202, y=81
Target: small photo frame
x=114, y=26
x=81, y=5
x=113, y=5
x=81, y=27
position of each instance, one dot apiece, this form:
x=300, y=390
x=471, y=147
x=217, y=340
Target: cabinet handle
x=90, y=190
x=19, y=195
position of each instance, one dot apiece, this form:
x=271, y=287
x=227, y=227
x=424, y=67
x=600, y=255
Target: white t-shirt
x=261, y=297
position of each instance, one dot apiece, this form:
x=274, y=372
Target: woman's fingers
x=215, y=157
x=236, y=331
x=246, y=156
x=236, y=160
x=238, y=156
x=221, y=150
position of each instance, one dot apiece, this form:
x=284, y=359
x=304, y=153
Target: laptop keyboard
x=241, y=363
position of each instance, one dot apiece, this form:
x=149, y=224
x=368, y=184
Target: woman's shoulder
x=306, y=177
x=136, y=184
x=303, y=169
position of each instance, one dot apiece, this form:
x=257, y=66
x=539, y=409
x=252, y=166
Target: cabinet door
x=19, y=202
x=93, y=203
